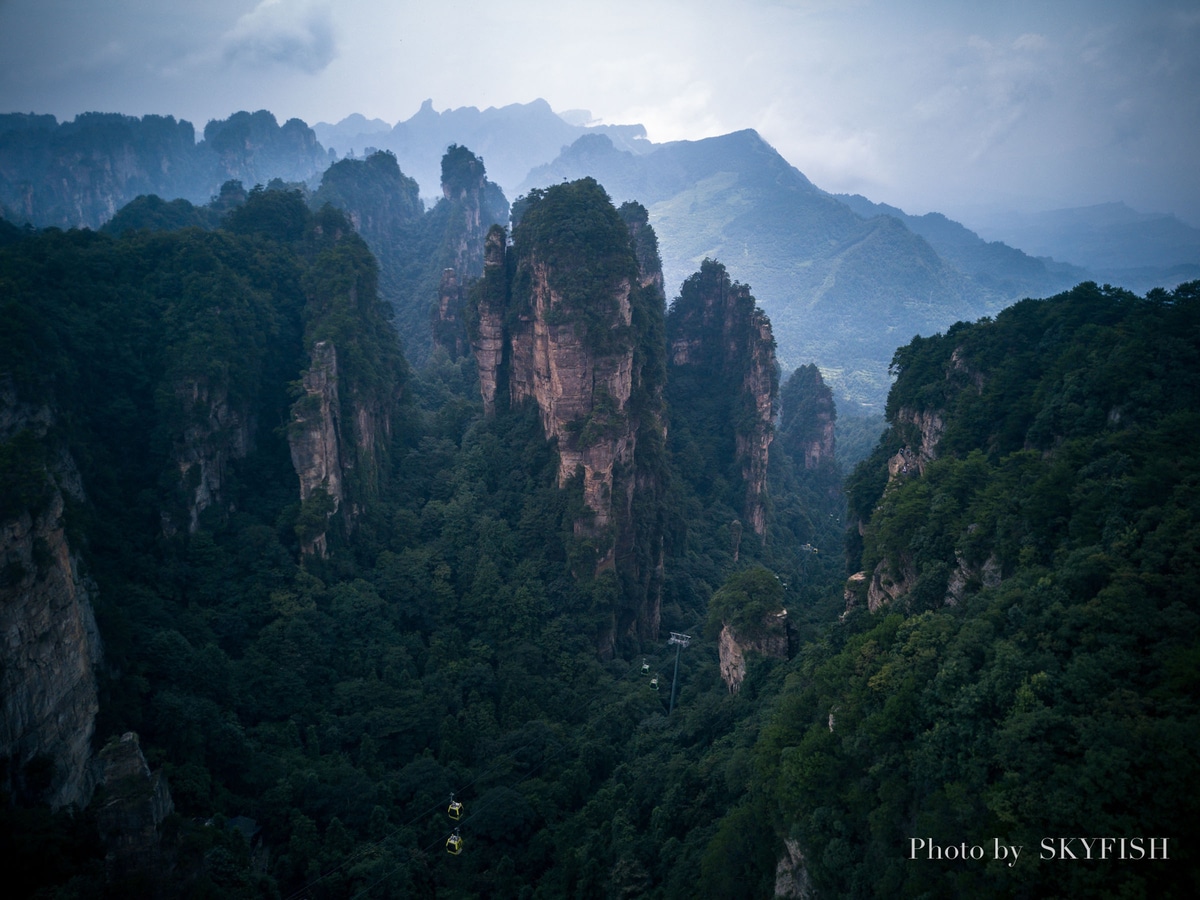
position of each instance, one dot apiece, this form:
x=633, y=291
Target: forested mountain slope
x=992, y=264
x=1018, y=661
x=334, y=589
x=330, y=591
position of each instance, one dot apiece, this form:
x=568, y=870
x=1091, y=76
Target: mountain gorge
x=351, y=546
x=290, y=538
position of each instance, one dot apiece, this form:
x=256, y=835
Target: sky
x=965, y=108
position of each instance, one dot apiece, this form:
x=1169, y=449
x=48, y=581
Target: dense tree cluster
x=446, y=643
x=1038, y=678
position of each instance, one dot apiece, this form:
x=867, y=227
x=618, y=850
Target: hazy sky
x=952, y=106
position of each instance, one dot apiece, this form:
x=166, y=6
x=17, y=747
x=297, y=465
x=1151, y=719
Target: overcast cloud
x=949, y=106
x=276, y=32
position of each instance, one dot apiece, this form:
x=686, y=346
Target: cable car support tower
x=680, y=641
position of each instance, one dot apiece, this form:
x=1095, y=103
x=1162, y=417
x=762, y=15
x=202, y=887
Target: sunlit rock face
x=926, y=427
x=574, y=385
x=560, y=320
x=48, y=700
x=336, y=437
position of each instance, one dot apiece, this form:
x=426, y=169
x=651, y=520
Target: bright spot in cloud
x=296, y=35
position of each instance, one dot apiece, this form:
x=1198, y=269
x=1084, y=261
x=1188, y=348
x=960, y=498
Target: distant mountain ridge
x=842, y=283
x=1115, y=242
x=845, y=280
x=511, y=139
x=77, y=174
x=993, y=263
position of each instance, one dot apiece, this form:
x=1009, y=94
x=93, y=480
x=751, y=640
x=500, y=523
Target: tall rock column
x=486, y=317
x=314, y=438
x=722, y=342
x=563, y=320
x=50, y=645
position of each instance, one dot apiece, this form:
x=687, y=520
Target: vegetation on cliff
x=1038, y=677
x=447, y=643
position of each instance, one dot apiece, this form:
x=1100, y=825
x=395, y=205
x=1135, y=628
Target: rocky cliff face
x=135, y=803
x=792, y=880
x=582, y=395
x=48, y=700
x=888, y=584
x=923, y=430
x=216, y=433
x=753, y=438
x=341, y=424
x=473, y=206
x=315, y=436
x=449, y=328
x=464, y=182
x=488, y=336
x=560, y=327
x=718, y=337
x=770, y=640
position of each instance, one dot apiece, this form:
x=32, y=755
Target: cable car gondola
x=454, y=810
x=454, y=843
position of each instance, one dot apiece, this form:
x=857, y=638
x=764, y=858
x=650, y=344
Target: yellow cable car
x=454, y=843
x=454, y=810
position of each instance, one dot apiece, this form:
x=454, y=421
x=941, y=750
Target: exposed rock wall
x=315, y=434
x=449, y=330
x=753, y=438
x=48, y=700
x=819, y=451
x=135, y=803
x=488, y=338
x=582, y=395
x=888, y=584
x=545, y=333
x=926, y=427
x=791, y=873
x=464, y=189
x=732, y=648
x=215, y=434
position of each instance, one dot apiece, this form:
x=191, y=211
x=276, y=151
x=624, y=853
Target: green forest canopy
x=439, y=648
